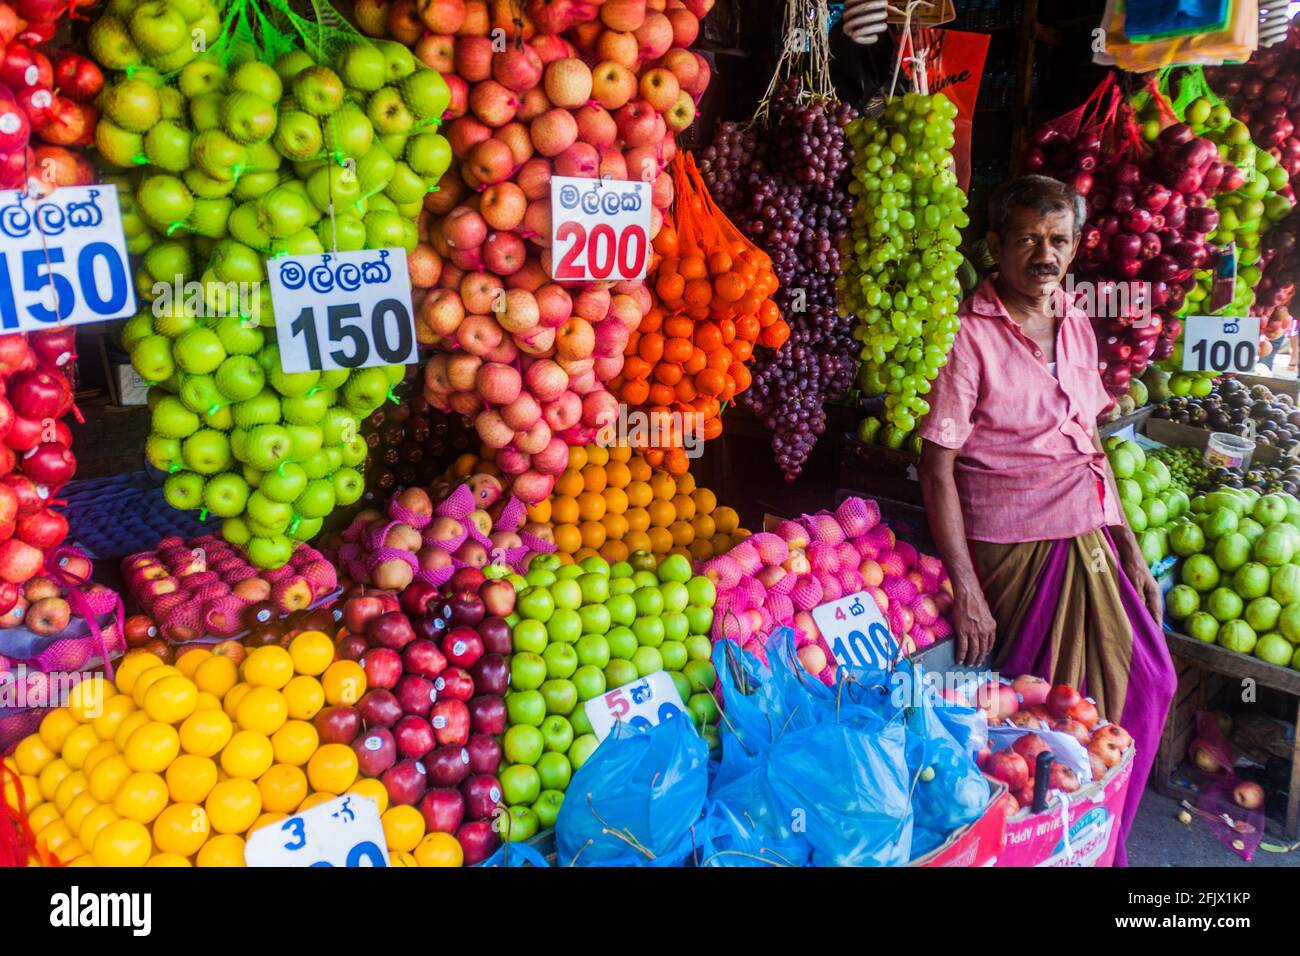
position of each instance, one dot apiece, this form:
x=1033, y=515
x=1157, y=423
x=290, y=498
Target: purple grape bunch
x=785, y=186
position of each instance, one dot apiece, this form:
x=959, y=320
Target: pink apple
x=596, y=126
x=493, y=103
x=611, y=337
x=553, y=459
x=503, y=252
x=612, y=163
x=655, y=36
x=459, y=100
x=556, y=130
x=522, y=412
x=679, y=116
x=502, y=205
x=532, y=104
x=491, y=162
x=512, y=462
x=519, y=314
x=619, y=47
x=607, y=368
x=546, y=380
x=581, y=160
x=554, y=305
x=568, y=82
x=564, y=412
x=534, y=178
x=492, y=429
x=480, y=291
x=465, y=133
x=464, y=228
x=530, y=277
x=474, y=58
x=537, y=220
x=515, y=135
x=592, y=304
x=519, y=68
x=534, y=439
x=532, y=486
x=575, y=339
x=505, y=353
x=612, y=84
x=702, y=77
x=478, y=334
x=538, y=342
x=498, y=384
x=599, y=408
x=686, y=26
x=462, y=371
x=437, y=51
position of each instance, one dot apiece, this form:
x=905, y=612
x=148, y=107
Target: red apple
x=448, y=766
x=414, y=736
x=491, y=674
x=463, y=646
x=415, y=694
x=482, y=794
x=391, y=630
x=478, y=840
x=379, y=708
x=454, y=683
x=487, y=714
x=383, y=667
x=351, y=647
x=467, y=580
x=443, y=810
x=376, y=751
x=450, y=719
x=495, y=632
x=337, y=724
x=498, y=597
x=416, y=597
x=358, y=612
x=405, y=782
x=424, y=659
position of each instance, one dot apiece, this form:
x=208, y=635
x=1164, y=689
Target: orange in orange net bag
x=713, y=291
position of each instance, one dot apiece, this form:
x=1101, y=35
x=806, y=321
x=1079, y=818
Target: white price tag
x=600, y=229
x=63, y=259
x=641, y=705
x=345, y=831
x=1215, y=343
x=856, y=632
x=343, y=310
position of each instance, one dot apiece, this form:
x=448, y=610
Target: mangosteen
x=1182, y=418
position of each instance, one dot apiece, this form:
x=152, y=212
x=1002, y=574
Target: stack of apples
x=36, y=457
x=777, y=578
x=208, y=587
x=527, y=358
x=435, y=672
x=1036, y=704
x=273, y=453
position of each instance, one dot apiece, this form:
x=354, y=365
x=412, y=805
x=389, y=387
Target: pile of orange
x=177, y=764
x=612, y=502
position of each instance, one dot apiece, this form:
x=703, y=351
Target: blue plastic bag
x=516, y=854
x=743, y=826
x=649, y=786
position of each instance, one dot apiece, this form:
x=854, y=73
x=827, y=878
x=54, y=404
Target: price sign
x=600, y=229
x=641, y=705
x=344, y=831
x=1213, y=343
x=63, y=259
x=856, y=632
x=343, y=310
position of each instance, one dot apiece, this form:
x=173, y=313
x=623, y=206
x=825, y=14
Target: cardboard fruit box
x=978, y=843
x=1083, y=833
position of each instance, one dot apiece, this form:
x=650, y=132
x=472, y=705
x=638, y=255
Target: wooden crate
x=1209, y=677
x=1189, y=436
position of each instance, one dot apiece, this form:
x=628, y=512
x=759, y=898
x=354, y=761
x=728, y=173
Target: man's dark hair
x=1040, y=193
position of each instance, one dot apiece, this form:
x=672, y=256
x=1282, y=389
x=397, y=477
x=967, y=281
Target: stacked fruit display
x=1035, y=704
x=270, y=452
x=584, y=629
x=610, y=502
x=901, y=274
x=207, y=586
x=1240, y=577
x=518, y=115
x=777, y=578
x=36, y=457
x=1188, y=471
x=433, y=668
x=1228, y=405
x=786, y=188
x=176, y=765
x=1147, y=493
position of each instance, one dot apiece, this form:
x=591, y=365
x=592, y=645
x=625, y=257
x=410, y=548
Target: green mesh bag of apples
x=236, y=134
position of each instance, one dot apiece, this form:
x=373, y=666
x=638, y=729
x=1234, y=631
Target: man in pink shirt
x=1046, y=574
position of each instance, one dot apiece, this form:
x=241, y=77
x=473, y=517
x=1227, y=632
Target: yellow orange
x=315, y=799
x=594, y=477
x=122, y=843
x=311, y=652
x=150, y=677
x=403, y=828
x=584, y=553
x=87, y=697
x=132, y=666
x=568, y=538
x=191, y=778
x=41, y=817
x=577, y=458
x=614, y=551
x=660, y=540
x=726, y=519
x=72, y=851
x=167, y=859
x=262, y=710
x=31, y=792
x=701, y=549
x=570, y=483
x=54, y=835
x=152, y=747
x=222, y=849
x=661, y=513
x=205, y=732
x=541, y=511
x=593, y=535
x=283, y=787
x=304, y=696
x=233, y=805
x=247, y=755
x=705, y=501
x=639, y=494
x=216, y=675
x=722, y=543
x=372, y=789
x=439, y=849
x=639, y=468
x=295, y=742
x=80, y=808
x=171, y=699
x=615, y=501
x=685, y=483
x=94, y=822
x=332, y=768
x=638, y=519
x=617, y=475
x=180, y=829
x=344, y=682
x=564, y=510
x=207, y=701
x=31, y=755
x=704, y=526
x=116, y=710
x=51, y=776
x=188, y=661
x=230, y=703
x=636, y=541
x=683, y=534
x=591, y=506
x=663, y=486
x=79, y=743
x=55, y=727
x=269, y=666
x=106, y=779
x=596, y=455
x=265, y=820
x=101, y=750
x=620, y=453
x=615, y=527
x=141, y=797
x=684, y=505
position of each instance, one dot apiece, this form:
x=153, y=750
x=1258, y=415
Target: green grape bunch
x=900, y=277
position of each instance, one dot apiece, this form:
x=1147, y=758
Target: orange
x=705, y=501
x=168, y=859
x=639, y=494
x=639, y=468
x=577, y=458
x=42, y=816
x=180, y=829
x=233, y=805
x=262, y=710
x=233, y=696
x=373, y=790
x=617, y=474
x=570, y=483
x=619, y=453
x=304, y=697
x=191, y=778
x=662, y=486
x=564, y=510
x=439, y=849
x=638, y=519
x=613, y=551
x=704, y=526
x=55, y=727
x=207, y=701
x=269, y=666
x=54, y=835
x=593, y=476
x=51, y=775
x=78, y=744
x=684, y=505
x=661, y=513
x=567, y=538
x=726, y=519
x=31, y=792
x=615, y=501
x=332, y=768
x=311, y=652
x=636, y=541
x=223, y=849
x=295, y=742
x=403, y=828
x=205, y=732
x=148, y=679
x=95, y=822
x=31, y=755
x=591, y=505
x=660, y=540
x=701, y=549
x=116, y=710
x=152, y=747
x=583, y=554
x=188, y=661
x=685, y=484
x=593, y=536
x=87, y=697
x=740, y=534
x=596, y=455
x=171, y=699
x=78, y=810
x=344, y=682
x=615, y=527
x=216, y=675
x=722, y=543
x=401, y=860
x=122, y=843
x=106, y=779
x=683, y=534
x=132, y=666
x=248, y=755
x=283, y=787
x=141, y=797
x=540, y=512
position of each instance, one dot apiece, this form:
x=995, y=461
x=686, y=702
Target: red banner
x=954, y=63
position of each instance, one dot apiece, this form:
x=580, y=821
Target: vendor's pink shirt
x=1027, y=468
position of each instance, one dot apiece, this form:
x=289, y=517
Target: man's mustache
x=1044, y=270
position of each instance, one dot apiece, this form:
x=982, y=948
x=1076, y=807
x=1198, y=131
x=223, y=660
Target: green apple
x=582, y=749
x=184, y=491
x=566, y=592
x=267, y=446
x=337, y=425
x=579, y=719
x=169, y=261
x=111, y=45
x=343, y=231
x=247, y=117
x=205, y=114
x=271, y=551
x=546, y=562
x=199, y=351
x=207, y=451
x=622, y=642
x=675, y=567
x=649, y=602
x=133, y=105
x=253, y=76
x=333, y=184
x=520, y=783
x=525, y=706
x=620, y=672
x=540, y=577
x=298, y=135
x=283, y=212
x=561, y=660
x=569, y=572
x=622, y=608
x=307, y=409
x=348, y=132
x=699, y=620
x=520, y=823
x=293, y=383
x=163, y=453
x=172, y=319
x=676, y=626
x=288, y=65
x=118, y=146
x=136, y=329
x=595, y=619
x=285, y=483
x=239, y=377
x=164, y=200
x=564, y=625
x=621, y=569
x=701, y=675
x=363, y=67
x=204, y=186
x=553, y=768
x=388, y=113
x=334, y=378
x=384, y=230
x=259, y=530
x=256, y=185
x=171, y=419
x=429, y=154
x=235, y=530
x=317, y=465
x=560, y=695
x=394, y=144
x=527, y=670
x=354, y=452
x=375, y=169
x=318, y=90
x=210, y=218
x=218, y=155
x=523, y=744
x=365, y=390
x=225, y=495
x=426, y=93
x=349, y=486
x=304, y=441
x=675, y=595
x=262, y=409
x=682, y=684
x=593, y=649
x=674, y=655
x=199, y=77
x=304, y=529
x=316, y=500
x=529, y=635
x=595, y=587
x=589, y=679
x=268, y=512
x=703, y=708
x=157, y=28
x=645, y=579
x=649, y=631
x=547, y=808
x=401, y=62
x=647, y=660
x=702, y=591
x=199, y=393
